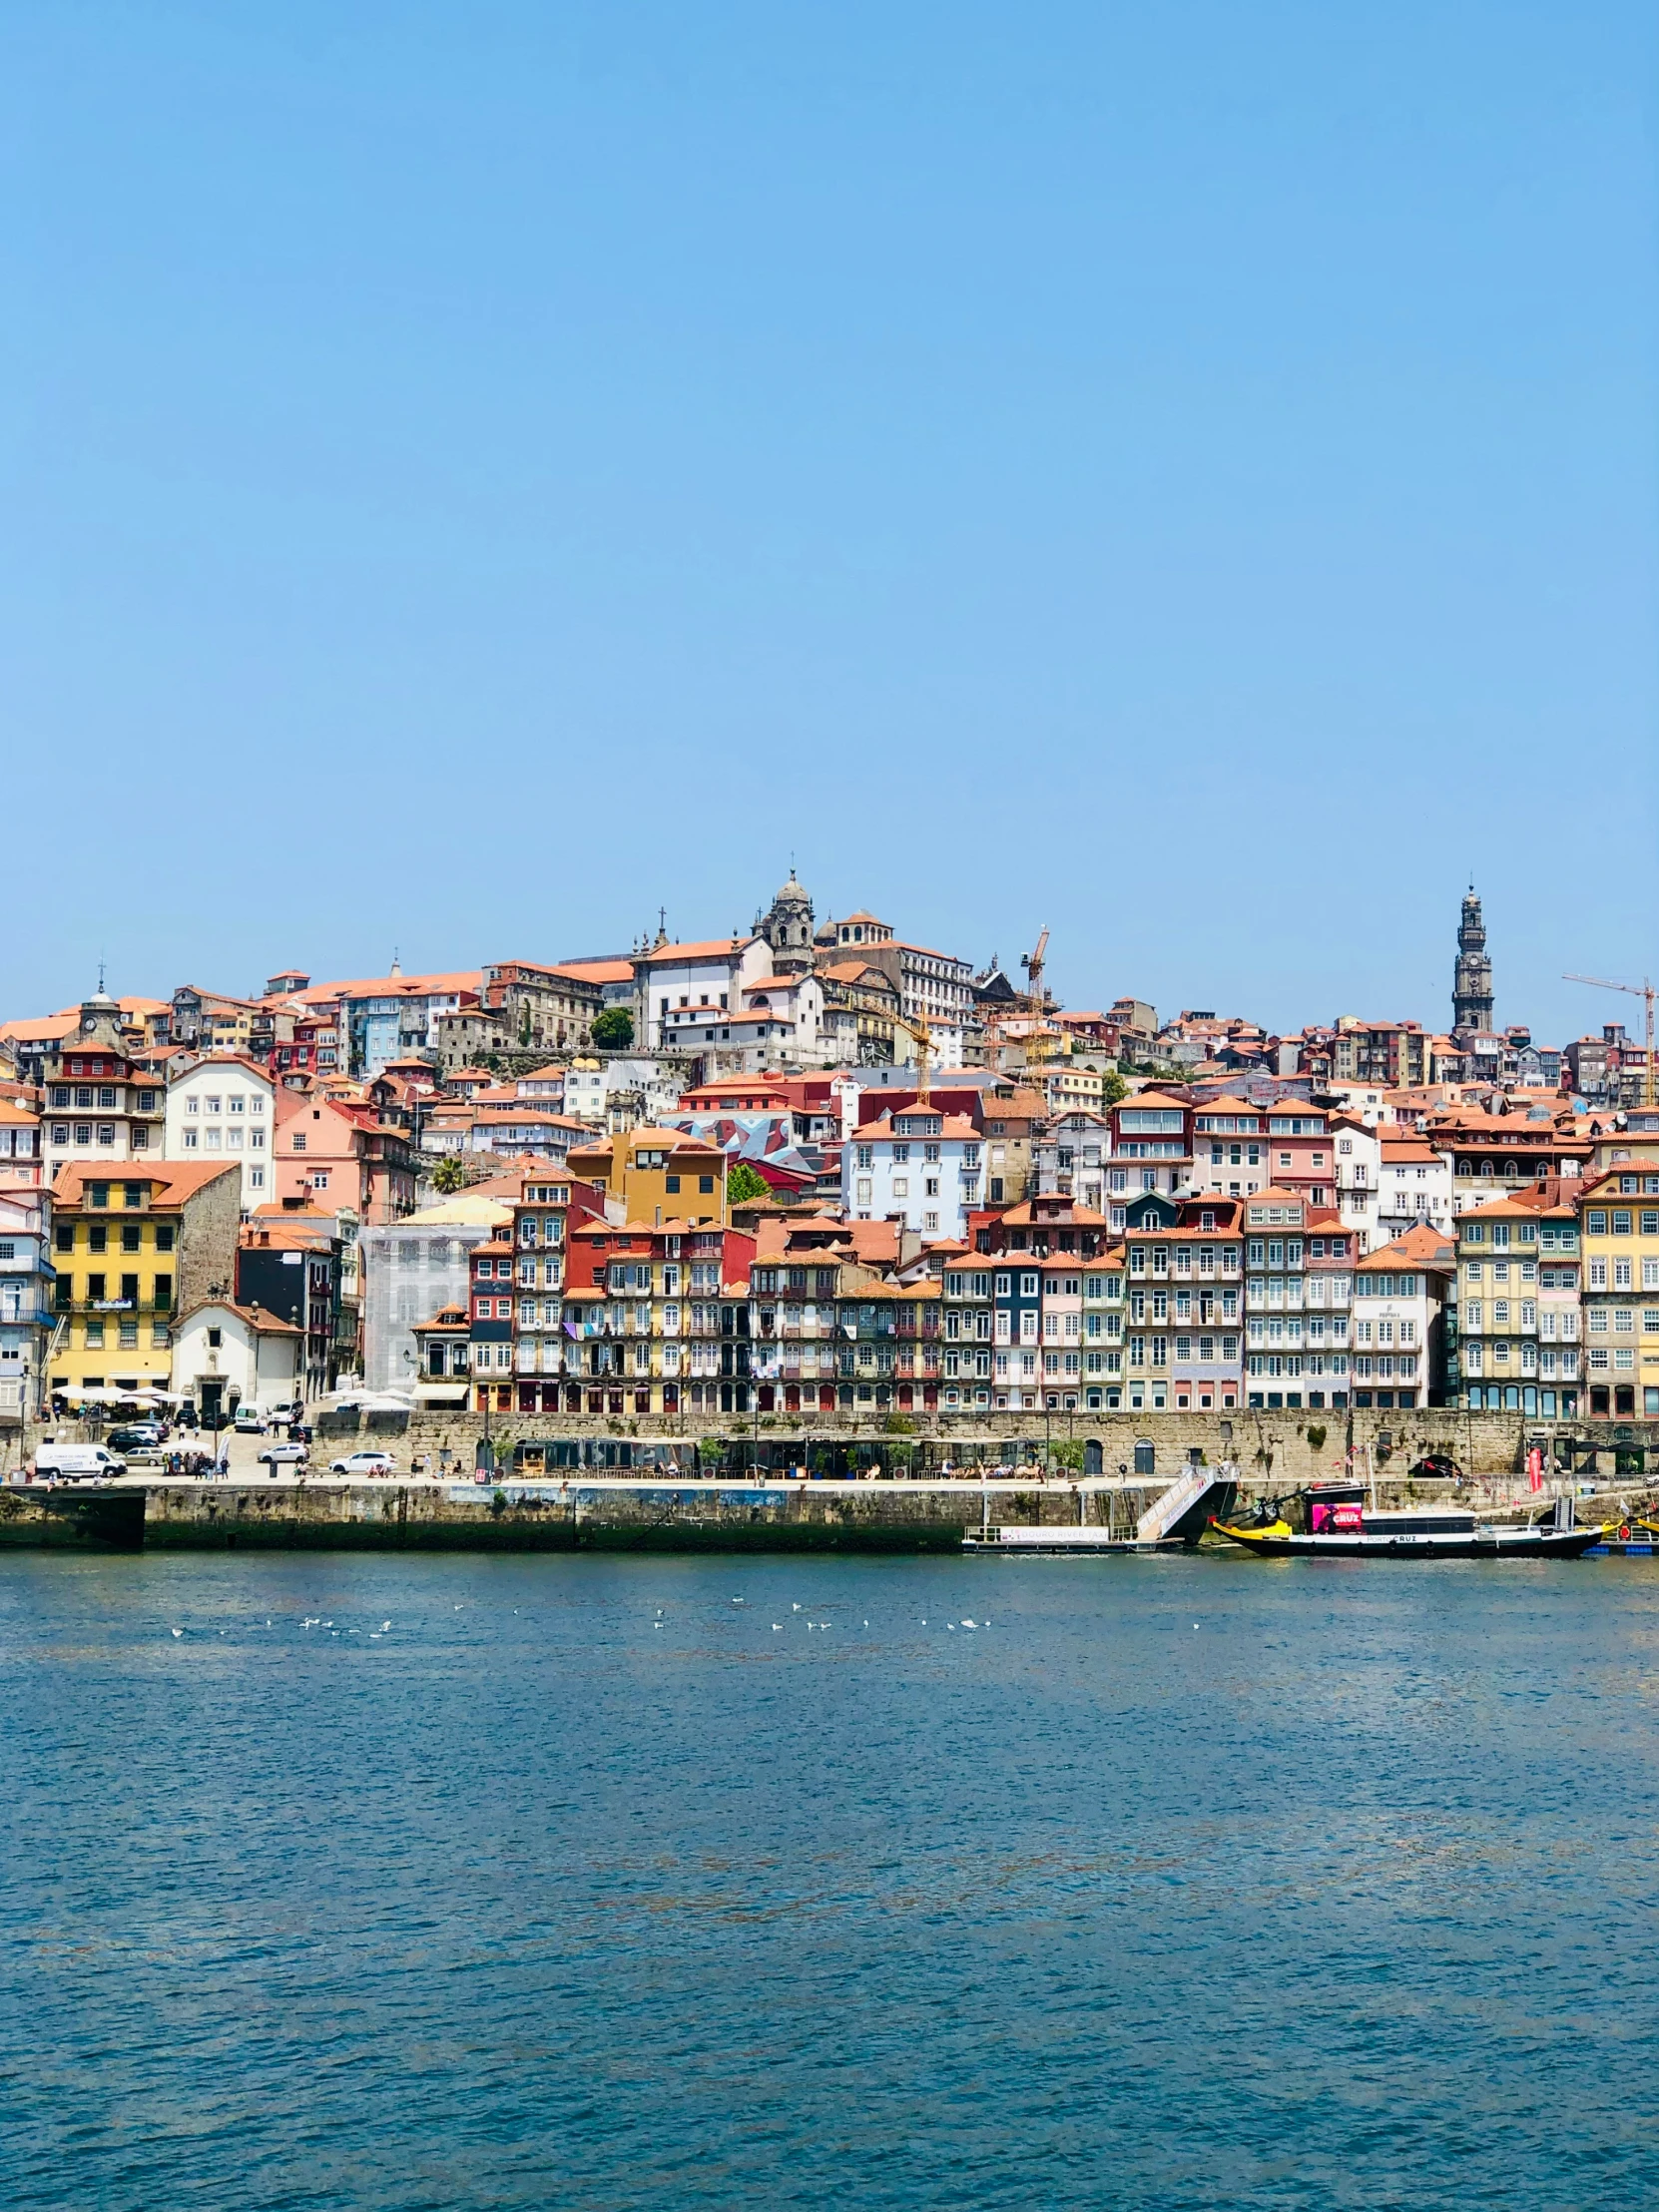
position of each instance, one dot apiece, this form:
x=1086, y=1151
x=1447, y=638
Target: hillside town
x=815, y=1169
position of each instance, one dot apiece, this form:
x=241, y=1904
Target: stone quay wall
x=1271, y=1449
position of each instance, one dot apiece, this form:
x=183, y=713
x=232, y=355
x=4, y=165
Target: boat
x=1350, y=1530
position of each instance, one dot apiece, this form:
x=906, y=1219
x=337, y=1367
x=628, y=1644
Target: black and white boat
x=1353, y=1530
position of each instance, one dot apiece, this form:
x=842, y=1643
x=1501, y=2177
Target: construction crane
x=1642, y=990
x=1032, y=962
x=923, y=1032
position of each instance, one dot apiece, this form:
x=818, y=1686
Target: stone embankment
x=598, y=1513
x=1272, y=1449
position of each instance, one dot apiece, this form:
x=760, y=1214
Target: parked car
x=283, y=1455
x=248, y=1421
x=365, y=1463
x=77, y=1462
x=144, y=1435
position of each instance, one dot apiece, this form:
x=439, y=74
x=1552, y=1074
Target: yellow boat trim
x=1248, y=1536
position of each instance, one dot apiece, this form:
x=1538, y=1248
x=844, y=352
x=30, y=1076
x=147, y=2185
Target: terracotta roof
x=254, y=1317
x=950, y=1125
x=1420, y=1245
x=170, y=1181
x=391, y=987
x=1077, y=1215
x=708, y=948
x=597, y=972
x=45, y=1030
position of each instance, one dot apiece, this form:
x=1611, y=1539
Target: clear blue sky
x=1184, y=473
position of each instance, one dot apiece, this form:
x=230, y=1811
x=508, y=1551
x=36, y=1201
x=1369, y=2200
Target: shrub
x=613, y=1030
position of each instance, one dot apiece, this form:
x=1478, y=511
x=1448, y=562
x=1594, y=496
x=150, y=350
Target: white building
x=708, y=976
x=222, y=1107
x=226, y=1356
x=918, y=1164
x=1359, y=1165
x=1413, y=1184
x=1400, y=1293
x=592, y=1085
x=793, y=1006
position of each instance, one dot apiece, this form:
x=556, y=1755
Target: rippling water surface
x=579, y=1882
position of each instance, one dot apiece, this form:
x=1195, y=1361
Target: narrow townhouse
x=1153, y=1139
x=1185, y=1280
x=548, y=1207
x=1619, y=1217
x=966, y=1311
x=918, y=1164
x=1400, y=1295
x=1071, y=1157
x=1499, y=1258
x=1299, y=1286
x=1413, y=1185
x=1357, y=1148
x=1104, y=1282
x=1230, y=1148
x=796, y=1331
x=1560, y=1306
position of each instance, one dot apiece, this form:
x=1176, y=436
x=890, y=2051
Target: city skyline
x=1184, y=479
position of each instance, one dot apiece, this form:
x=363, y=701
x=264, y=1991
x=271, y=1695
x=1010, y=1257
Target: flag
x=1536, y=1468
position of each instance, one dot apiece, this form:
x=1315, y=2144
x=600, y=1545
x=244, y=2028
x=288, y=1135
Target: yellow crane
x=1032, y=962
x=923, y=1032
x=1642, y=990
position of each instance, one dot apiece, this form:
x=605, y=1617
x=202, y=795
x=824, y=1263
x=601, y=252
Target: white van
x=77, y=1462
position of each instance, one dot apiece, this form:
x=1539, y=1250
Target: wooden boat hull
x=1495, y=1543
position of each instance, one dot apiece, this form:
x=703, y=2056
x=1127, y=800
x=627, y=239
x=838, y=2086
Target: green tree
x=613, y=1030
x=742, y=1185
x=449, y=1176
x=524, y=1023
x=1115, y=1088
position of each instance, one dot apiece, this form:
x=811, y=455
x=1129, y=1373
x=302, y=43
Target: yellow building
x=1618, y=1217
x=657, y=1175
x=133, y=1248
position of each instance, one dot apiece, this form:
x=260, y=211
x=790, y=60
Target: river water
x=538, y=1882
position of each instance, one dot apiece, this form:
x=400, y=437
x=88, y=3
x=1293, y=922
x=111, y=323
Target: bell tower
x=1471, y=977
x=787, y=926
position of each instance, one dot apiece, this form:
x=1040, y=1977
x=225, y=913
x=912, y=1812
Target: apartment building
x=1153, y=1138
x=1071, y=1158
x=1499, y=1257
x=224, y=1106
x=21, y=1163
x=132, y=1252
x=1298, y=1295
x=657, y=1318
x=922, y=1167
x=1400, y=1296
x=1619, y=1228
x=1185, y=1325
x=100, y=1103
x=24, y=1300
x=1413, y=1184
